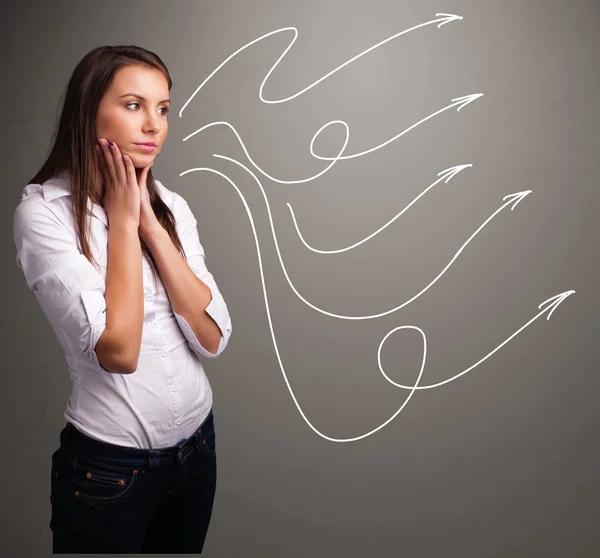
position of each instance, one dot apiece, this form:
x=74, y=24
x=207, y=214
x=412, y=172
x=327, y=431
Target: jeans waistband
x=80, y=444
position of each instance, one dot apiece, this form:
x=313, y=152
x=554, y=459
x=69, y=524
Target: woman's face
x=127, y=119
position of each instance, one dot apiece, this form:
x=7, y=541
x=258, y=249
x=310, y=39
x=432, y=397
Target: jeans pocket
x=97, y=482
x=209, y=446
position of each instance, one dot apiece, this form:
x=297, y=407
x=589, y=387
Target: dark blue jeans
x=114, y=499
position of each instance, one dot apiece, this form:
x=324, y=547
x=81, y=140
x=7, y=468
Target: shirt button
x=178, y=421
x=163, y=353
x=174, y=388
x=153, y=324
x=148, y=297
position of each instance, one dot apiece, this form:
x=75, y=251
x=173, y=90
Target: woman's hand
x=121, y=196
x=123, y=203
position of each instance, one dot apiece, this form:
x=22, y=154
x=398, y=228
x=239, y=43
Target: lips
x=146, y=146
x=148, y=143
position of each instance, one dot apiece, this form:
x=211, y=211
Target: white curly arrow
x=445, y=175
x=462, y=101
x=442, y=19
x=551, y=304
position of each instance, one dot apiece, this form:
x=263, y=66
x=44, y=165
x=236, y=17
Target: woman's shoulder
x=47, y=191
x=43, y=200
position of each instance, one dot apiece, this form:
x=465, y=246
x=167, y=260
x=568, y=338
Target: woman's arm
x=71, y=292
x=197, y=303
x=118, y=348
x=188, y=295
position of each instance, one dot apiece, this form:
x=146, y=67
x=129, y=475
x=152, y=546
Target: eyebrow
x=143, y=98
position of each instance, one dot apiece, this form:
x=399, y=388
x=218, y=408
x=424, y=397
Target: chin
x=140, y=161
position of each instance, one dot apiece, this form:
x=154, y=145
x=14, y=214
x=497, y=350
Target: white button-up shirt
x=169, y=395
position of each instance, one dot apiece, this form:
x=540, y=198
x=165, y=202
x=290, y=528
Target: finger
x=102, y=172
x=144, y=174
x=119, y=165
x=130, y=171
x=101, y=165
x=109, y=161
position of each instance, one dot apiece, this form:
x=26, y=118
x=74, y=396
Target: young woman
x=115, y=262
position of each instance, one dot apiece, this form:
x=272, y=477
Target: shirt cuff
x=217, y=310
x=95, y=309
x=193, y=340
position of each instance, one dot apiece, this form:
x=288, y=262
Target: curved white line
x=446, y=18
x=264, y=173
x=557, y=300
x=445, y=175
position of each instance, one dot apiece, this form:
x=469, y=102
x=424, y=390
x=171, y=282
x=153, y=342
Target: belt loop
x=151, y=457
x=179, y=451
x=201, y=433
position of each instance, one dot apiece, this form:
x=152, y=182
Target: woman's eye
x=165, y=109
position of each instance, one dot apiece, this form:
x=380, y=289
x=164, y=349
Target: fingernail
x=110, y=143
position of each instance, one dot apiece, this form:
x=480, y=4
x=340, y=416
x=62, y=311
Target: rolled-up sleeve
x=217, y=309
x=67, y=286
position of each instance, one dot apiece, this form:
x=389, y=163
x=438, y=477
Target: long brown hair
x=73, y=148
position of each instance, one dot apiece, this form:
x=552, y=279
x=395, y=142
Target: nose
x=152, y=124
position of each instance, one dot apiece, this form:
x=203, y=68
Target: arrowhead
x=464, y=101
x=517, y=197
x=447, y=18
x=452, y=171
x=553, y=302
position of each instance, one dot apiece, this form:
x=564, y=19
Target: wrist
x=123, y=228
x=153, y=236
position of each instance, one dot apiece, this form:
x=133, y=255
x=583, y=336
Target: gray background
x=501, y=462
